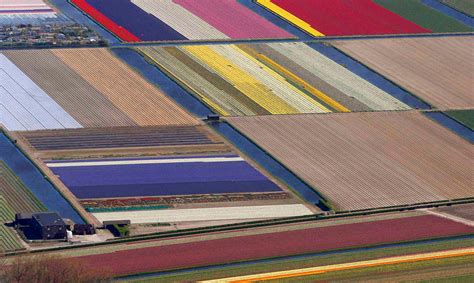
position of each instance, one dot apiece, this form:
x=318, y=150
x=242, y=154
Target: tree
x=46, y=269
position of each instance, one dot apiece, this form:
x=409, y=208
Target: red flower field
x=349, y=17
x=274, y=245
x=122, y=33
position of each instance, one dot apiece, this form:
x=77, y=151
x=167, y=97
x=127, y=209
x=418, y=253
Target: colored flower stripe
x=209, y=102
x=146, y=161
x=144, y=25
x=344, y=266
x=242, y=80
x=180, y=19
x=271, y=245
x=119, y=31
x=159, y=177
x=174, y=189
x=304, y=102
x=165, y=173
x=297, y=80
x=349, y=17
x=289, y=17
x=233, y=19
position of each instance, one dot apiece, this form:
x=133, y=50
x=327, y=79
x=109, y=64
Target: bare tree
x=46, y=269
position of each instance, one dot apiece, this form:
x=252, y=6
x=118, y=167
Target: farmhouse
x=42, y=225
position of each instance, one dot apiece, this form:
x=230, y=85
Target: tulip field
x=272, y=245
x=228, y=140
x=167, y=20
x=363, y=17
x=272, y=78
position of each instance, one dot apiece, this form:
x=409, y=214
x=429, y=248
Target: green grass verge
x=464, y=6
x=465, y=117
x=424, y=16
x=277, y=265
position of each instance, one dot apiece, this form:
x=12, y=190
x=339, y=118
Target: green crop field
x=464, y=6
x=417, y=12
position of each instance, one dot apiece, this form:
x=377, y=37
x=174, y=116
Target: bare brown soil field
x=134, y=152
x=438, y=70
x=121, y=142
x=90, y=138
x=368, y=160
x=128, y=91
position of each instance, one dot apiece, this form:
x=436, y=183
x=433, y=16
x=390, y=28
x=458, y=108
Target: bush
x=119, y=230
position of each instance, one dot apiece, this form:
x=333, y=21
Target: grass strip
x=465, y=117
x=464, y=6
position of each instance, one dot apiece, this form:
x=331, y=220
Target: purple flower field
x=110, y=180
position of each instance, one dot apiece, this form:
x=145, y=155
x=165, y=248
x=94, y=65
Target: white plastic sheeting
x=20, y=5
x=34, y=19
x=25, y=106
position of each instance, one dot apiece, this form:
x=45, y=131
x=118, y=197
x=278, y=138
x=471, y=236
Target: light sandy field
x=203, y=214
x=368, y=160
x=438, y=70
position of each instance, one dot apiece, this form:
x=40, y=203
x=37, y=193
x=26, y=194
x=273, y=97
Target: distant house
x=42, y=225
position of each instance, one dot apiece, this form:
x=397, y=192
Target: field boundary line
x=147, y=161
x=450, y=217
